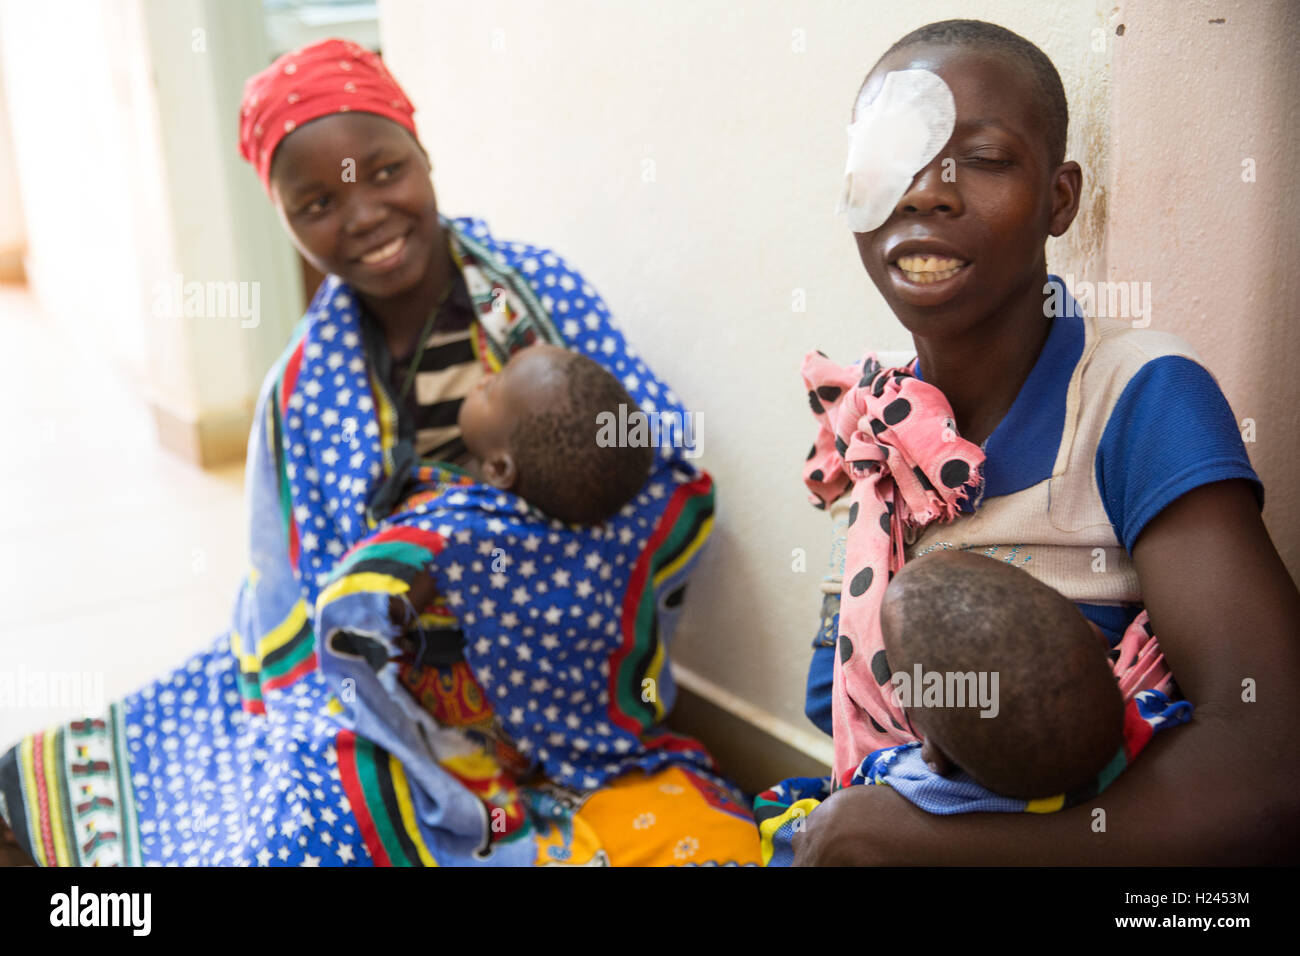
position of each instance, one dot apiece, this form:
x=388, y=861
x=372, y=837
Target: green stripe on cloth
x=372, y=774
x=249, y=688
x=685, y=532
x=694, y=513
x=130, y=828
x=1112, y=770
x=403, y=552
x=286, y=496
x=294, y=653
x=273, y=665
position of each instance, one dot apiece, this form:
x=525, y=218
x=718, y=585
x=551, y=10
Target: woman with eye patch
x=1113, y=472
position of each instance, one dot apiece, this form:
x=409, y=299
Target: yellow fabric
x=283, y=632
x=27, y=752
x=661, y=819
x=402, y=793
x=1046, y=804
x=364, y=581
x=798, y=810
x=583, y=846
x=52, y=792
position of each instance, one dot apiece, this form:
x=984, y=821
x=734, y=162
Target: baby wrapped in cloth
x=888, y=440
x=565, y=626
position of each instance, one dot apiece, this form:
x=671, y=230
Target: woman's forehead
x=327, y=140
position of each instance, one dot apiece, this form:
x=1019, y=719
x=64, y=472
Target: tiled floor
x=117, y=559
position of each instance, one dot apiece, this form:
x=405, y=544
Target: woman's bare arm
x=1225, y=788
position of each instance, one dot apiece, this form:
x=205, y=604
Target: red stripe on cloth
x=425, y=539
x=346, y=746
x=288, y=382
x=639, y=584
x=43, y=799
x=1137, y=732
x=290, y=378
x=254, y=707
x=307, y=665
x=677, y=743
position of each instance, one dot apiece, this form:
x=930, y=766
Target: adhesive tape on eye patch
x=892, y=139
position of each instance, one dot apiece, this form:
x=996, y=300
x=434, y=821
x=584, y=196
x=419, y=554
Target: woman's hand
x=846, y=829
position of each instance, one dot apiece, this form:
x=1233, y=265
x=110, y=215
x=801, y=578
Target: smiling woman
x=1099, y=455
x=369, y=217
x=511, y=715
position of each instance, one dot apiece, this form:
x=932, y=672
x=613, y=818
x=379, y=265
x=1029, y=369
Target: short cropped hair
x=1060, y=715
x=990, y=38
x=562, y=468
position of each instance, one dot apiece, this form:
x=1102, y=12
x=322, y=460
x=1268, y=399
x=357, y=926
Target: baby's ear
x=500, y=471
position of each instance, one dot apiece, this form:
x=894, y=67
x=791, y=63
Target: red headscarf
x=331, y=76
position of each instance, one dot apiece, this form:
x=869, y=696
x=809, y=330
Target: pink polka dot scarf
x=888, y=440
x=327, y=77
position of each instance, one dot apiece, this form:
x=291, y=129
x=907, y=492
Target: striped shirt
x=448, y=370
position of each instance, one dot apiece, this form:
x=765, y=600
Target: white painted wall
x=687, y=155
x=124, y=119
x=222, y=227
x=1193, y=100
x=67, y=104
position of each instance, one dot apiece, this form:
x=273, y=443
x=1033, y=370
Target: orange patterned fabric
x=451, y=695
x=671, y=818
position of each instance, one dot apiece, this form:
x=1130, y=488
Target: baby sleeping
x=532, y=429
x=1056, y=719
x=533, y=585
x=923, y=643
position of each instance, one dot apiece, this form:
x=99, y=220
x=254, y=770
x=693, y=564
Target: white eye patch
x=890, y=141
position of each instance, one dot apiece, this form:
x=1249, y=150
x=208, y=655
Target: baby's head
x=1059, y=714
x=533, y=428
x=968, y=233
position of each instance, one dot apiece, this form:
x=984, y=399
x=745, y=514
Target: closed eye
x=992, y=158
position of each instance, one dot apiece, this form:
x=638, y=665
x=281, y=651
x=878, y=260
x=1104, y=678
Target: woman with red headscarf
x=420, y=670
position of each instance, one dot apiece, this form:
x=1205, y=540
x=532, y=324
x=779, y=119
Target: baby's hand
x=403, y=607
